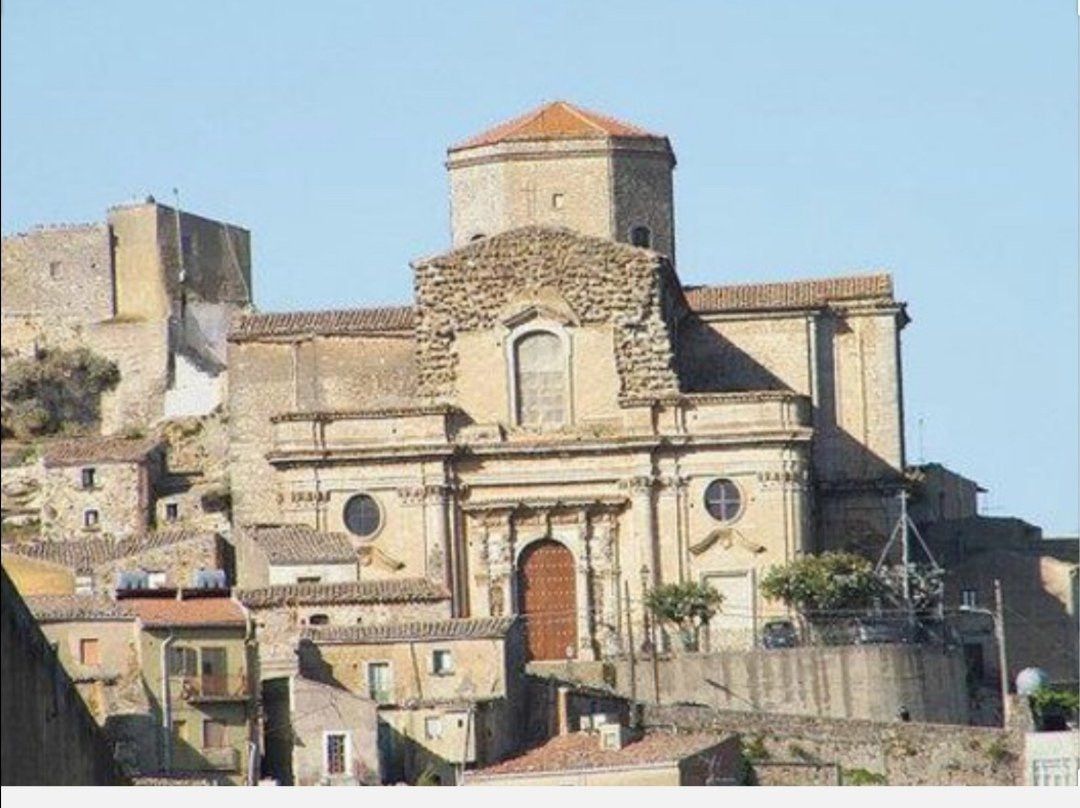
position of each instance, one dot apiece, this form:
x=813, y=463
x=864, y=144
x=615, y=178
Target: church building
x=556, y=424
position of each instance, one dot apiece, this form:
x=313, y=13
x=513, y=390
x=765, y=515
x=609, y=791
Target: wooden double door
x=547, y=600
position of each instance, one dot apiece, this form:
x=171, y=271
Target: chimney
x=562, y=710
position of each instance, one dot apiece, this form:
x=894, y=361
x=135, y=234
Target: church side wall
x=324, y=373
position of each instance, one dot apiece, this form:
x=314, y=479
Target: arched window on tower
x=641, y=236
x=540, y=365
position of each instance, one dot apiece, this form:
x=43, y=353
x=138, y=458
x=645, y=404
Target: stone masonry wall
x=120, y=496
x=855, y=682
x=61, y=273
x=601, y=281
x=909, y=754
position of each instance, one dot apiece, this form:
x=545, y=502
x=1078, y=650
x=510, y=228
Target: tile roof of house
x=88, y=553
x=581, y=750
x=80, y=451
x=63, y=608
x=383, y=319
x=472, y=628
x=393, y=590
x=790, y=294
x=165, y=612
x=300, y=544
x=553, y=121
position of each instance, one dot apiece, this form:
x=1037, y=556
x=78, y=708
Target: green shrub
x=755, y=749
x=999, y=753
x=826, y=582
x=55, y=391
x=864, y=777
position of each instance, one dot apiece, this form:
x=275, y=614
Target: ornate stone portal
x=588, y=530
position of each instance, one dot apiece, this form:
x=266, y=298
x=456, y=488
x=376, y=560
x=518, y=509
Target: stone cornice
x=403, y=411
x=731, y=397
x=543, y=504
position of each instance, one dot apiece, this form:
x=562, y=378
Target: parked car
x=779, y=634
x=883, y=631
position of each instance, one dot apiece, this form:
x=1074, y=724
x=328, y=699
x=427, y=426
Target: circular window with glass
x=362, y=516
x=723, y=500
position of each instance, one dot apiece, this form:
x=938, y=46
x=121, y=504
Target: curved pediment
x=727, y=538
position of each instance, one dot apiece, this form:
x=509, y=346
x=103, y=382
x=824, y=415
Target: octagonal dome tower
x=563, y=166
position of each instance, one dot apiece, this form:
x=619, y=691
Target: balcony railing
x=212, y=687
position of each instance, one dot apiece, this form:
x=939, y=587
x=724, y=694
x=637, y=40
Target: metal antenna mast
x=901, y=532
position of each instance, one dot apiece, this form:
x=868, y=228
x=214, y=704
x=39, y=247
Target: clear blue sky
x=935, y=139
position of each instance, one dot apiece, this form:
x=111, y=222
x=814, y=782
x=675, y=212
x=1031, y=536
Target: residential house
x=279, y=612
x=450, y=692
x=317, y=733
x=167, y=558
x=99, y=487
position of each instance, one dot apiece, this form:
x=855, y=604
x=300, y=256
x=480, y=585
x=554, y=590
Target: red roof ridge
x=555, y=120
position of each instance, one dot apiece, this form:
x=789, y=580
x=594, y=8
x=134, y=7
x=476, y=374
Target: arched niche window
x=641, y=236
x=541, y=380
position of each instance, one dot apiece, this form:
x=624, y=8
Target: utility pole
x=630, y=643
x=1003, y=657
x=905, y=548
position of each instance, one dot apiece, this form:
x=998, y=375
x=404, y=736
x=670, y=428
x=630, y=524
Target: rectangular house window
x=213, y=734
x=433, y=727
x=214, y=672
x=336, y=752
x=89, y=651
x=88, y=477
x=172, y=511
x=183, y=662
x=969, y=598
x=442, y=662
x=380, y=683
x=91, y=518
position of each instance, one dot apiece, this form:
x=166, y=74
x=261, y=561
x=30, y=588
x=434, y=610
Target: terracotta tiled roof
x=790, y=294
x=384, y=319
x=553, y=121
x=78, y=452
x=61, y=608
x=87, y=553
x=457, y=629
x=162, y=612
x=300, y=544
x=581, y=750
x=394, y=590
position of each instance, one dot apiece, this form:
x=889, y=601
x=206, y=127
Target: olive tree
x=687, y=607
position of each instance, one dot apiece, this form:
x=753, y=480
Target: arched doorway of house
x=547, y=599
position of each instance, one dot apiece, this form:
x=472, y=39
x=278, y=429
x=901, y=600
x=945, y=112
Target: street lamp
x=999, y=634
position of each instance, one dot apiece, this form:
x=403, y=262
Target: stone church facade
x=557, y=424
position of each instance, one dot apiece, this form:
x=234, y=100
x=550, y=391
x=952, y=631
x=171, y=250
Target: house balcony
x=209, y=687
